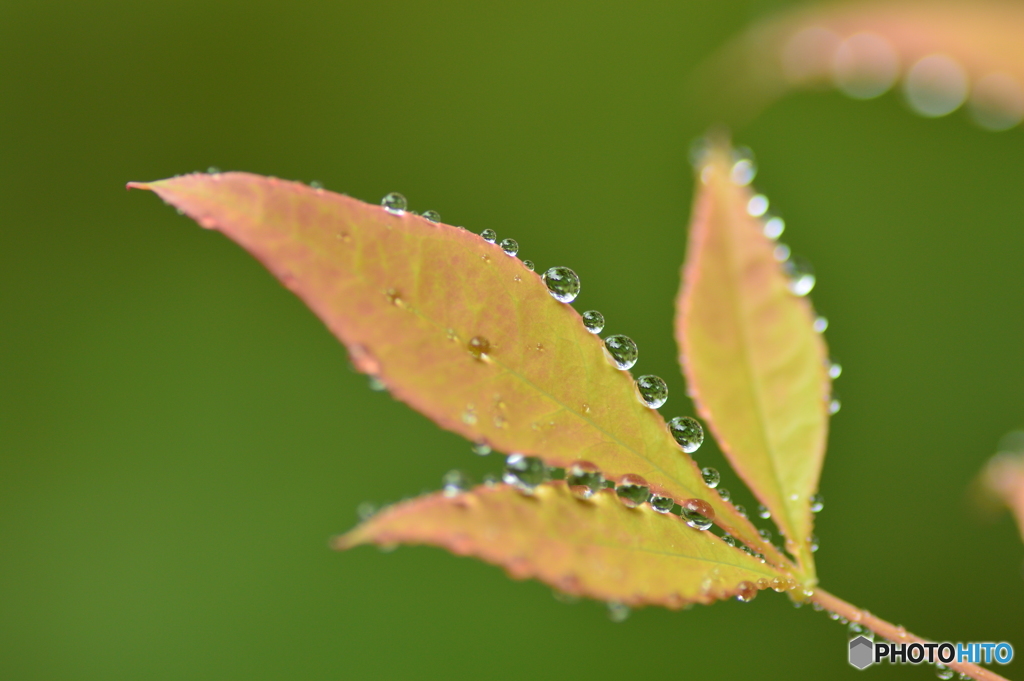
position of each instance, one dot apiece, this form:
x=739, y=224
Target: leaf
x=753, y=362
x=410, y=297
x=942, y=51
x=596, y=548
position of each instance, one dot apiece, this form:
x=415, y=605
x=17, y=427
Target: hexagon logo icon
x=862, y=652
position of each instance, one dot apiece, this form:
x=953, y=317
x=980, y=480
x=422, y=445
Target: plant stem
x=892, y=632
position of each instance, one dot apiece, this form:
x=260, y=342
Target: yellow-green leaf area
x=596, y=547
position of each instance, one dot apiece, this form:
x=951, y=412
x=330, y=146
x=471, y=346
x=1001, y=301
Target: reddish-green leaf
x=941, y=51
x=454, y=327
x=754, y=364
x=595, y=548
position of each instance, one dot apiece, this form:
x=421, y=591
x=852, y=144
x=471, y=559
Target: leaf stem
x=892, y=632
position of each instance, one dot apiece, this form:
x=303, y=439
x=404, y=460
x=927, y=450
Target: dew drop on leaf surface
x=584, y=479
x=593, y=321
x=725, y=494
x=651, y=391
x=454, y=482
x=489, y=235
x=763, y=512
x=622, y=351
x=711, y=477
x=801, y=275
x=510, y=246
x=479, y=347
x=524, y=472
x=662, y=504
x=432, y=215
x=395, y=203
x=528, y=264
x=687, y=432
x=817, y=503
x=632, y=491
x=562, y=283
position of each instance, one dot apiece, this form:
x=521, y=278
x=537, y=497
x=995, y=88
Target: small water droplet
x=778, y=584
x=479, y=347
x=757, y=205
x=510, y=246
x=729, y=539
x=688, y=433
x=820, y=324
x=617, y=612
x=741, y=510
x=562, y=283
x=395, y=203
x=394, y=297
x=451, y=335
x=662, y=504
x=584, y=479
x=585, y=408
x=485, y=257
x=855, y=630
x=834, y=405
x=632, y=491
x=528, y=264
x=725, y=494
x=711, y=477
x=801, y=275
x=943, y=672
x=621, y=351
x=812, y=543
x=524, y=472
x=774, y=227
x=314, y=184
x=377, y=385
x=366, y=510
x=213, y=170
x=454, y=482
x=489, y=235
x=481, y=449
x=781, y=253
x=766, y=535
x=469, y=415
x=744, y=168
x=745, y=592
x=651, y=391
x=817, y=503
x=593, y=321
x=431, y=215
x=763, y=512
x=835, y=370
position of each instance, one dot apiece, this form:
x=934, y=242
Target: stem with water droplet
x=892, y=632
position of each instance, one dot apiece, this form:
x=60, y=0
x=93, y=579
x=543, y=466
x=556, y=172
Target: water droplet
x=585, y=408
x=812, y=543
x=377, y=385
x=617, y=612
x=688, y=433
x=711, y=477
x=213, y=170
x=817, y=503
x=778, y=585
x=621, y=351
x=469, y=415
x=763, y=512
x=935, y=85
x=781, y=253
x=524, y=472
x=454, y=482
x=479, y=347
x=835, y=369
x=662, y=504
x=865, y=66
x=314, y=184
x=744, y=168
x=651, y=391
x=481, y=449
x=395, y=203
x=451, y=335
x=801, y=275
x=563, y=284
x=943, y=672
x=584, y=479
x=834, y=405
x=820, y=324
x=394, y=297
x=510, y=246
x=766, y=535
x=855, y=630
x=741, y=510
x=366, y=510
x=431, y=215
x=489, y=235
x=724, y=493
x=593, y=321
x=757, y=205
x=632, y=491
x=745, y=592
x=728, y=539
x=528, y=264
x=774, y=227
x=695, y=519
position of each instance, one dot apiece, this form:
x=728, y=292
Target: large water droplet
x=431, y=215
x=651, y=391
x=510, y=246
x=454, y=482
x=584, y=479
x=395, y=203
x=763, y=512
x=741, y=510
x=563, y=284
x=479, y=347
x=817, y=503
x=697, y=513
x=528, y=264
x=593, y=321
x=725, y=494
x=524, y=472
x=746, y=592
x=632, y=491
x=489, y=235
x=662, y=504
x=621, y=350
x=688, y=433
x=696, y=520
x=711, y=477
x=801, y=275
x=757, y=205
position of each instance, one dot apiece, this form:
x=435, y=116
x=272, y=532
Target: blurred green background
x=179, y=436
